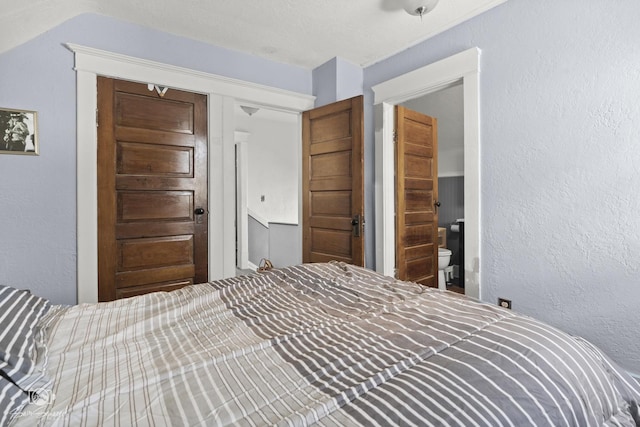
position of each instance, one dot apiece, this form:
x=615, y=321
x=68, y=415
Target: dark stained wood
x=159, y=114
x=332, y=180
x=162, y=274
x=106, y=193
x=144, y=253
x=141, y=290
x=153, y=160
x=416, y=193
x=152, y=175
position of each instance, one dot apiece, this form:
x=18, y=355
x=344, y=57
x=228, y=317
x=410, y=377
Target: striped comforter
x=325, y=344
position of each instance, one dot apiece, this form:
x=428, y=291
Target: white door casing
x=222, y=93
x=242, y=189
x=465, y=67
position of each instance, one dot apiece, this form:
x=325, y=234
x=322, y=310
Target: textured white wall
x=560, y=132
x=560, y=160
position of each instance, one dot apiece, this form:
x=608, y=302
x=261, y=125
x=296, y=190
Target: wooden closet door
x=152, y=185
x=332, y=183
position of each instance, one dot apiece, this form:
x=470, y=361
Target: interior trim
x=242, y=195
x=116, y=65
x=222, y=93
x=465, y=67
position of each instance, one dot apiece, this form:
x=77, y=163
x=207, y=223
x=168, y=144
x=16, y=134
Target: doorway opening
x=267, y=187
x=447, y=106
x=462, y=68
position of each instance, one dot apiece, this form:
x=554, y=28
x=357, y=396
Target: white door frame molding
x=242, y=196
x=222, y=94
x=465, y=67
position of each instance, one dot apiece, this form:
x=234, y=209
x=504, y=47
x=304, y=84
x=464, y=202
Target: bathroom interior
x=447, y=106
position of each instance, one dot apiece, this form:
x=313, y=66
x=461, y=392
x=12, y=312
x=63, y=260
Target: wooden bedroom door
x=416, y=197
x=152, y=189
x=332, y=183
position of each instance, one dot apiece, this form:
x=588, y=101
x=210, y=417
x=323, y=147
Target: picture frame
x=18, y=132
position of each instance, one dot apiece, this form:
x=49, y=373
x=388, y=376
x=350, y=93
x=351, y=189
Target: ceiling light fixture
x=419, y=7
x=249, y=110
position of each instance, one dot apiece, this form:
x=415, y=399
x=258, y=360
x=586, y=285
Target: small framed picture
x=18, y=132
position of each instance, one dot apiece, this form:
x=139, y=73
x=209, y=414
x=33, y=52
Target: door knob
x=436, y=204
x=355, y=225
x=199, y=211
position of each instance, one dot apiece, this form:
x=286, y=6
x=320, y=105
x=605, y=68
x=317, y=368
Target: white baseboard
x=636, y=376
x=252, y=266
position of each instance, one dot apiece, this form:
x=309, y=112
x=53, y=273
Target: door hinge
x=395, y=136
x=97, y=119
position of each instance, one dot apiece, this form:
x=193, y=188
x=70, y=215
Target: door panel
x=167, y=205
x=134, y=279
x=137, y=254
x=416, y=193
x=141, y=290
x=330, y=204
x=158, y=114
x=333, y=191
x=134, y=158
x=332, y=126
x=152, y=176
x=334, y=165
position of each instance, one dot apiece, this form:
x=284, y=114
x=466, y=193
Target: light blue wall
x=335, y=80
x=325, y=83
x=350, y=79
x=38, y=194
x=560, y=120
x=560, y=156
x=258, y=240
x=285, y=244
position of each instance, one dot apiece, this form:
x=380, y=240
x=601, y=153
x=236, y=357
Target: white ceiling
x=306, y=33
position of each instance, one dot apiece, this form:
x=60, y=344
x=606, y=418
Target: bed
x=315, y=344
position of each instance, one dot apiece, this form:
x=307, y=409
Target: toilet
x=444, y=256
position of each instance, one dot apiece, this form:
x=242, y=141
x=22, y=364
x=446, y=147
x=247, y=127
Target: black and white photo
x=18, y=132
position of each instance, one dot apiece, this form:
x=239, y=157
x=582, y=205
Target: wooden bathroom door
x=416, y=197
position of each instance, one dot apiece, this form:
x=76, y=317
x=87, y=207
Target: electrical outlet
x=504, y=303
